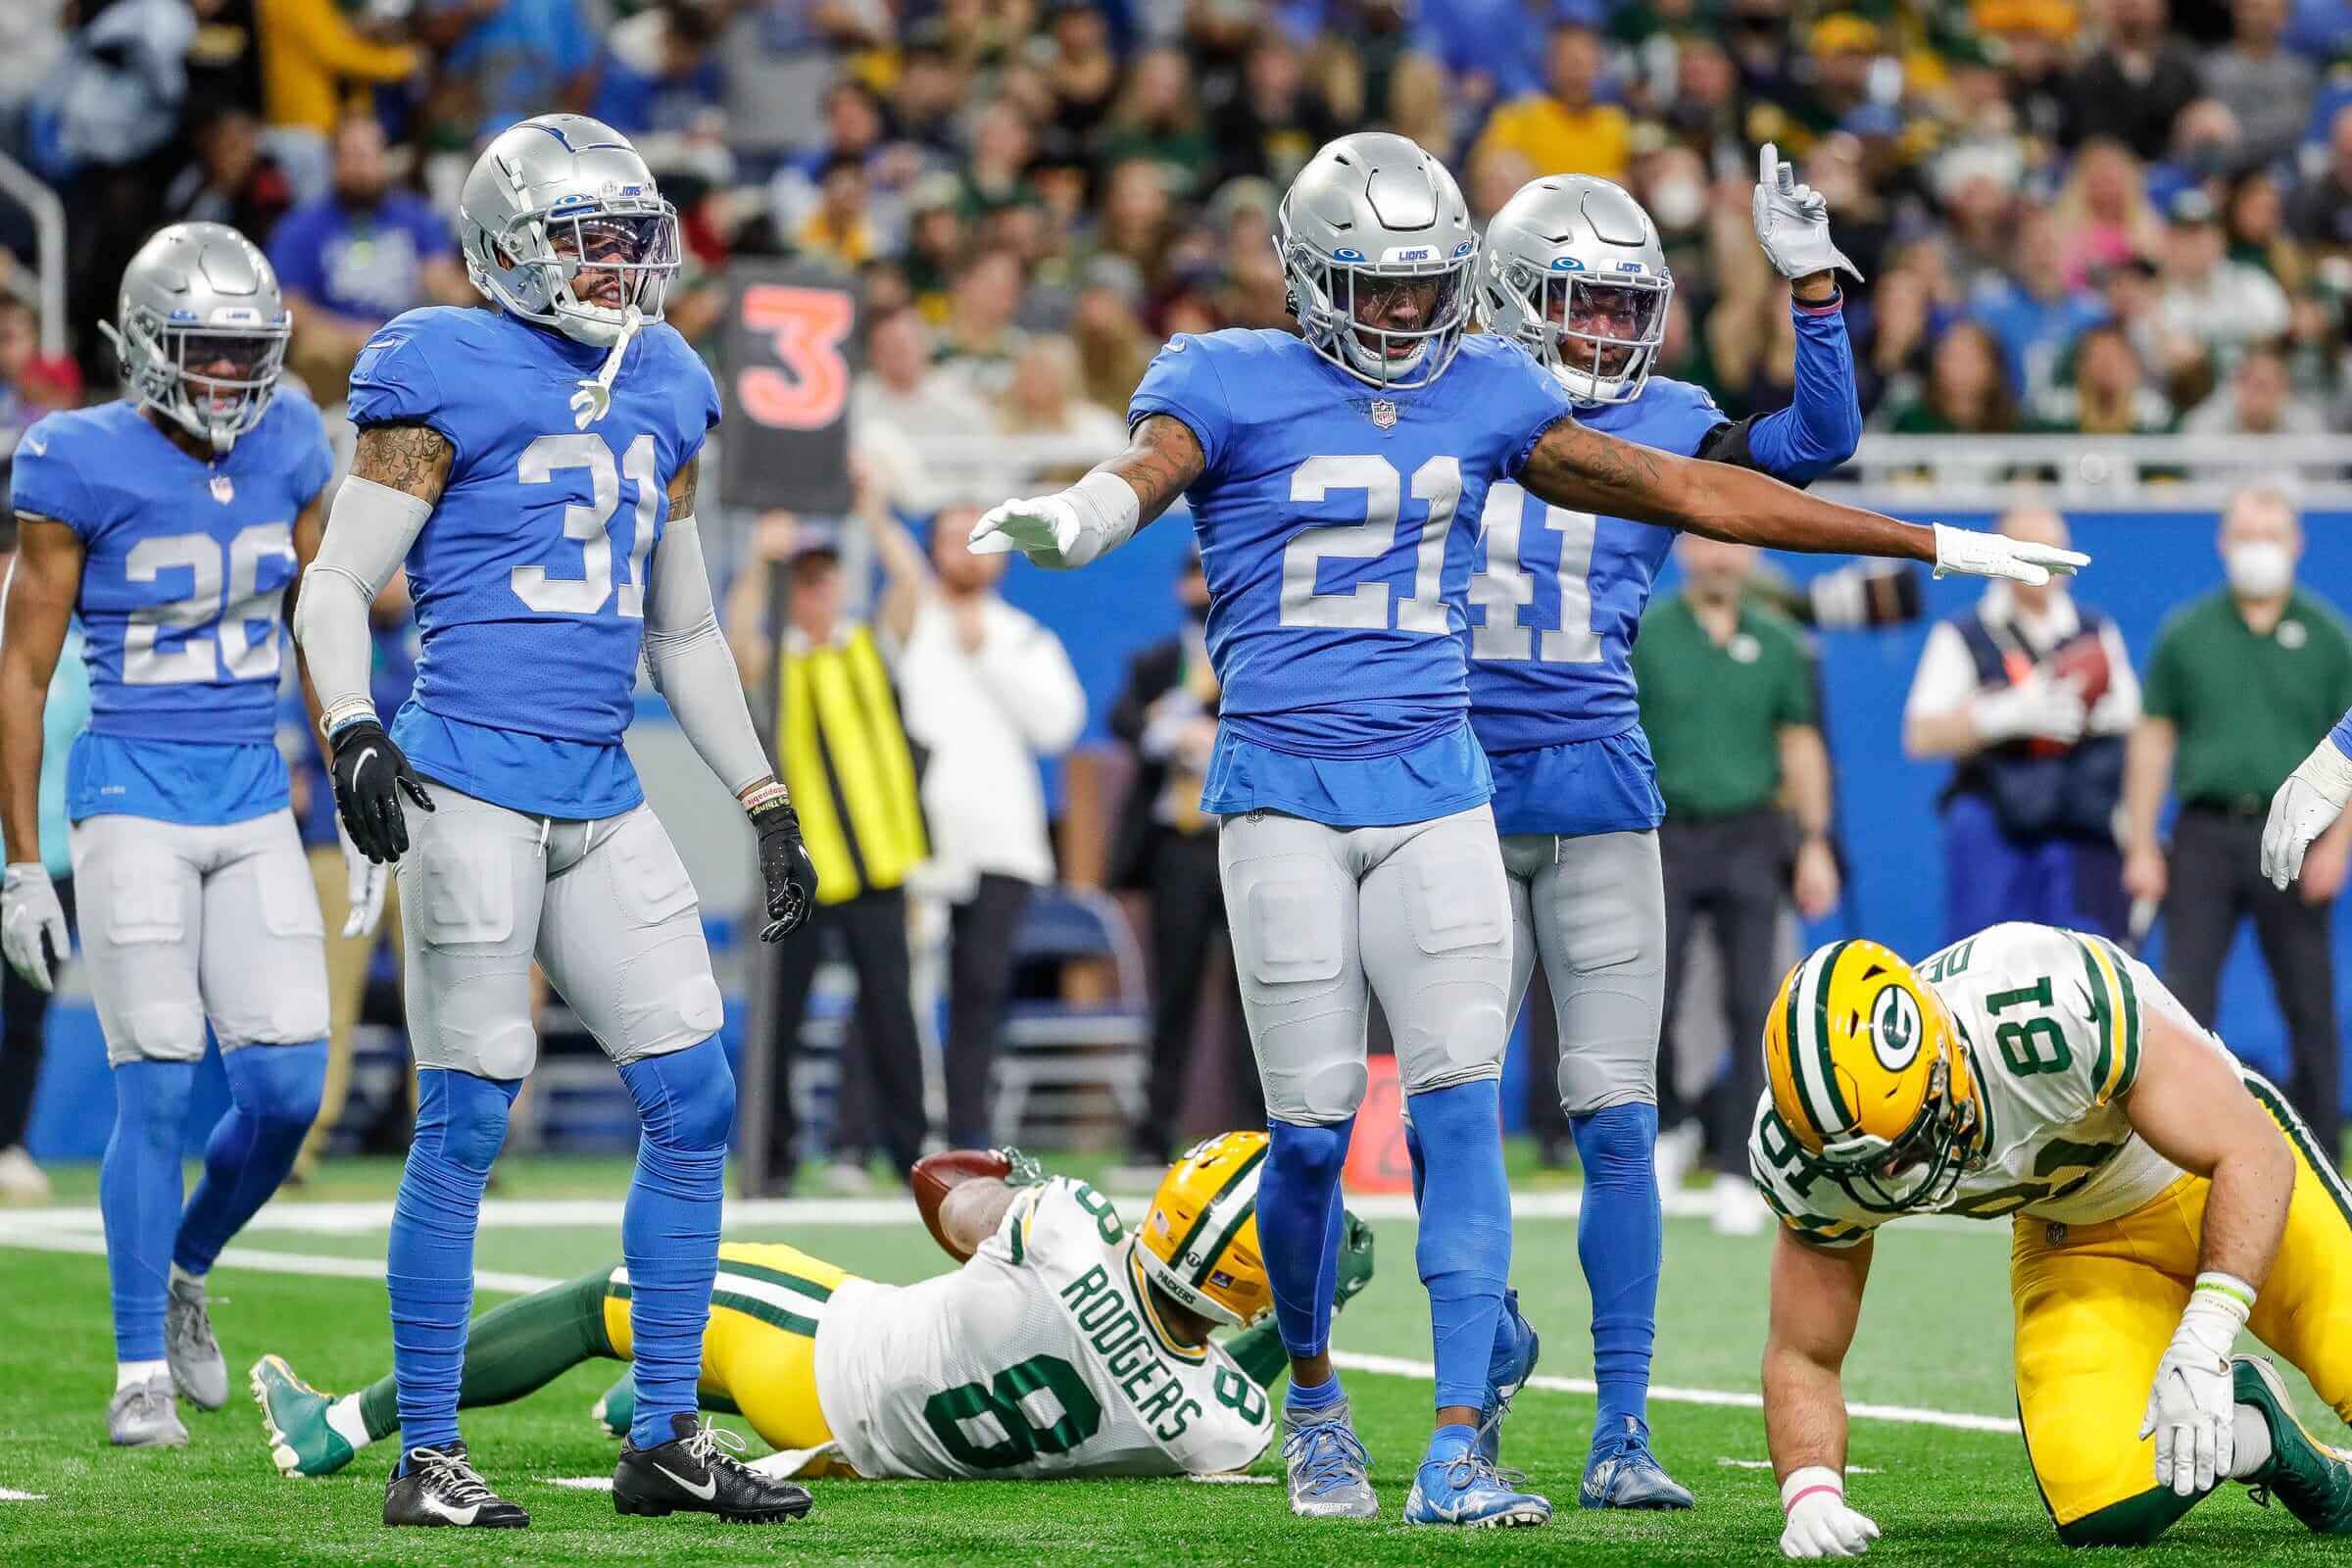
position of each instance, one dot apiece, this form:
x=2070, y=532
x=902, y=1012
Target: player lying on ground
x=2163, y=1198
x=940, y=1380
x=1327, y=473
x=1573, y=272
x=173, y=521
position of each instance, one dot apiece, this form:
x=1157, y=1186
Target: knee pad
x=152, y=1099
x=1469, y=1047
x=685, y=1097
x=1326, y=1092
x=466, y=1113
x=686, y=1007
x=1313, y=1153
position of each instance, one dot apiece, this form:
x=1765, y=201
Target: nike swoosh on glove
x=1969, y=553
x=372, y=774
x=786, y=869
x=2306, y=805
x=1793, y=221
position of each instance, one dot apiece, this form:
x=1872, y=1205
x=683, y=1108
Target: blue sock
x=139, y=1197
x=428, y=1267
x=273, y=1098
x=1299, y=1227
x=1450, y=1441
x=1307, y=1399
x=1618, y=1237
x=670, y=1230
x=1465, y=1249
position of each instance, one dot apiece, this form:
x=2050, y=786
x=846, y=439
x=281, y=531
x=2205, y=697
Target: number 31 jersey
x=2051, y=1023
x=529, y=578
x=1041, y=1357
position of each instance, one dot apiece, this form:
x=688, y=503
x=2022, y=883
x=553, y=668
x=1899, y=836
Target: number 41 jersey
x=2051, y=1022
x=1041, y=1357
x=529, y=578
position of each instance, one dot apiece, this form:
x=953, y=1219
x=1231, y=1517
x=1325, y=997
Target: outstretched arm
x=1101, y=511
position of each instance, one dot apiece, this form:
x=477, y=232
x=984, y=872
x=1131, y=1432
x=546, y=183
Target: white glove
x=32, y=924
x=1971, y=554
x=1067, y=528
x=364, y=884
x=1793, y=221
x=2037, y=708
x=2305, y=805
x=1820, y=1524
x=2191, y=1410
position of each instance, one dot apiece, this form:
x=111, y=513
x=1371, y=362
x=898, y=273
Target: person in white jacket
x=987, y=693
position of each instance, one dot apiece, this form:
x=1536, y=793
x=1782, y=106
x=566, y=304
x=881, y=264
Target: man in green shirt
x=1727, y=702
x=2239, y=683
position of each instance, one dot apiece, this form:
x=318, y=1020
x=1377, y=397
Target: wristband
x=2226, y=1292
x=1803, y=1483
x=762, y=795
x=335, y=720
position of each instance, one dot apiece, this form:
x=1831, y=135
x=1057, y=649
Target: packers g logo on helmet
x=1200, y=1241
x=1865, y=1070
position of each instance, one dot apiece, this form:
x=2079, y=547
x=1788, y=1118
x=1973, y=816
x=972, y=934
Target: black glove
x=785, y=867
x=370, y=776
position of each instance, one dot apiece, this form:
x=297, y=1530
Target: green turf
x=1935, y=1334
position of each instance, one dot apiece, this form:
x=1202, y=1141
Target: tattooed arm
x=395, y=481
x=1101, y=511
x=1161, y=461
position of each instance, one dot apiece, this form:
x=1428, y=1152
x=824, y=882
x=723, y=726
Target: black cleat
x=694, y=1473
x=437, y=1486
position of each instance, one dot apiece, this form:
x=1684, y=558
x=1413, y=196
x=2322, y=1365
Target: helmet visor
x=1392, y=317
x=615, y=259
x=1605, y=327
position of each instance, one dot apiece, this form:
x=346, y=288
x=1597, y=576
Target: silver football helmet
x=1574, y=271
x=202, y=332
x=1377, y=250
x=562, y=226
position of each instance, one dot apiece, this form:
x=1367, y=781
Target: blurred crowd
x=2108, y=216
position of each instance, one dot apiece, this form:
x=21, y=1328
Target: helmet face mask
x=1917, y=1169
x=202, y=332
x=1575, y=274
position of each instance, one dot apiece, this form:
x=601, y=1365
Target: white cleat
x=144, y=1415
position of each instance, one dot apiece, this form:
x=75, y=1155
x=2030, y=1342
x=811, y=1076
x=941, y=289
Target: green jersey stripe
x=2299, y=1135
x=2103, y=1015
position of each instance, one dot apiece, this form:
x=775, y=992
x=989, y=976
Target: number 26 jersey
x=529, y=578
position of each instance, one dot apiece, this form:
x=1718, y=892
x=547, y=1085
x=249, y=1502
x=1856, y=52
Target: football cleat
x=695, y=1472
x=2313, y=1480
x=1330, y=1474
x=616, y=1408
x=145, y=1416
x=1508, y=1368
x=1623, y=1472
x=294, y=1416
x=1457, y=1485
x=439, y=1486
x=197, y=1368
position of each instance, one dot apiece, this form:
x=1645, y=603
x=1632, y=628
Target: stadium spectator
x=903, y=404
x=1728, y=701
x=1966, y=393
x=1276, y=120
x=2321, y=212
x=1043, y=399
x=2028, y=812
x=2254, y=225
x=352, y=262
x=2109, y=393
x=1082, y=74
x=2258, y=400
x=1157, y=118
x=2224, y=755
x=2037, y=315
x=2267, y=86
x=505, y=59
x=986, y=691
x=313, y=57
x=1114, y=348
x=234, y=179
x=979, y=340
x=2134, y=83
x=1566, y=129
x=1977, y=186
x=840, y=230
x=996, y=175
x=2221, y=305
x=661, y=70
x=2104, y=215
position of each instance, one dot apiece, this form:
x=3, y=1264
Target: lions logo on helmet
x=1866, y=1070
x=1200, y=1241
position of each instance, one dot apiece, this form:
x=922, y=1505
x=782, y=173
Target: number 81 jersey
x=529, y=578
x=2050, y=1022
x=1041, y=1357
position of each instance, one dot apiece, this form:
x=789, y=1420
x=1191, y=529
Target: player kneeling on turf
x=1065, y=1345
x=2163, y=1197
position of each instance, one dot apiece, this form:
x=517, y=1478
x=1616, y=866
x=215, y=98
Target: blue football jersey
x=529, y=576
x=185, y=573
x=1555, y=604
x=1336, y=525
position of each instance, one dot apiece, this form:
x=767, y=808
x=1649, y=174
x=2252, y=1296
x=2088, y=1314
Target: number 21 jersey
x=529, y=576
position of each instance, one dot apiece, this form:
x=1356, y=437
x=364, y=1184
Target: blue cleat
x=1624, y=1474
x=1330, y=1474
x=1507, y=1371
x=1457, y=1484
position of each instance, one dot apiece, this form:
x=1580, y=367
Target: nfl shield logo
x=222, y=490
x=1384, y=413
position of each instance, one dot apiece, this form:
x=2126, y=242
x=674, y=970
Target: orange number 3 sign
x=812, y=386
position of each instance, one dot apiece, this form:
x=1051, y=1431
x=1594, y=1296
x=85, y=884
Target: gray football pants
x=1322, y=918
x=1593, y=909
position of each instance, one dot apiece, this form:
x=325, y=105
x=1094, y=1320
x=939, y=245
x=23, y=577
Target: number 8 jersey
x=1041, y=1357
x=529, y=576
x=2051, y=1024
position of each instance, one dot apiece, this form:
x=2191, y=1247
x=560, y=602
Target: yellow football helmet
x=1866, y=1069
x=1200, y=1241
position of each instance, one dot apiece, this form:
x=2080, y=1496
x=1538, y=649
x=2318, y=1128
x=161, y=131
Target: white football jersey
x=1041, y=1357
x=2050, y=1022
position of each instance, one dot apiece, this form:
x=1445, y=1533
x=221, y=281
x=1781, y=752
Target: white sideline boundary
x=73, y=1230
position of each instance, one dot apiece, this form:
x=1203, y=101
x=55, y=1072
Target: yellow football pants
x=2096, y=1305
x=760, y=1350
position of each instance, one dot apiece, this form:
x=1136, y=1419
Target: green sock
x=512, y=1349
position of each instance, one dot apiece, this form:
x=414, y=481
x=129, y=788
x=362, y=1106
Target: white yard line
x=41, y=1230
x=10, y=1495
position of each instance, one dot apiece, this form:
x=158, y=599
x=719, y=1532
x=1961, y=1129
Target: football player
x=533, y=466
x=1573, y=270
x=2163, y=1197
x=1326, y=474
x=171, y=522
x=941, y=1380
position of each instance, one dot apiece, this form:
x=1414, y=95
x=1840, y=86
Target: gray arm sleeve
x=369, y=532
x=688, y=661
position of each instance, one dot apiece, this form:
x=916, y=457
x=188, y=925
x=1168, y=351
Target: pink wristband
x=1790, y=1505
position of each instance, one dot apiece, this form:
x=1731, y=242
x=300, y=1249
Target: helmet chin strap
x=594, y=399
